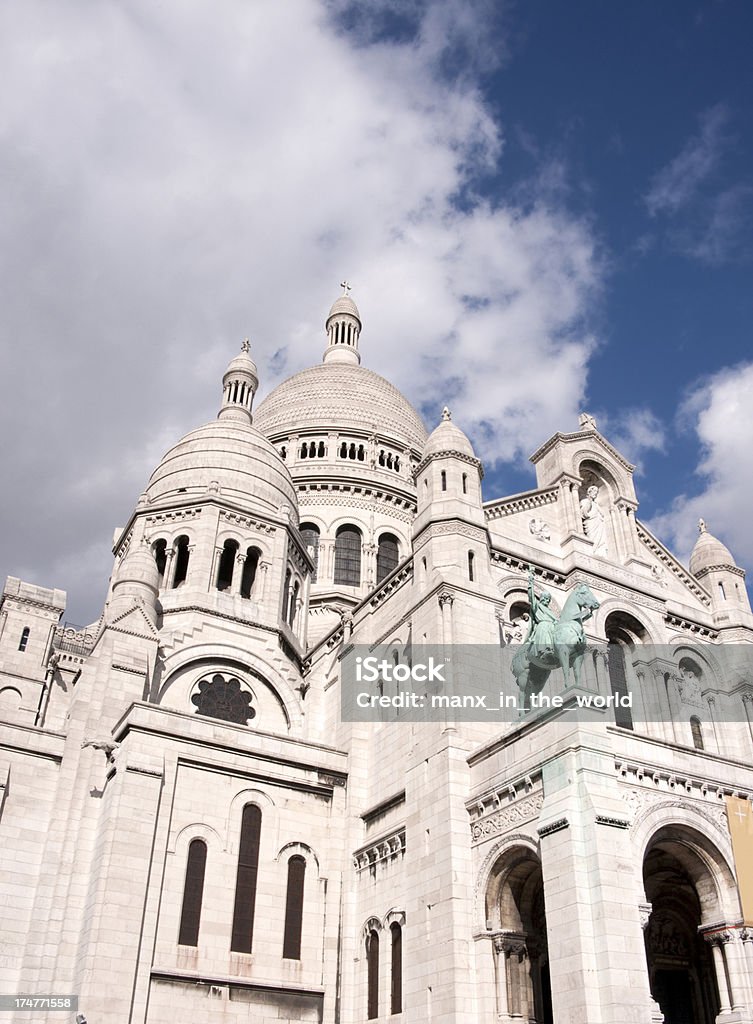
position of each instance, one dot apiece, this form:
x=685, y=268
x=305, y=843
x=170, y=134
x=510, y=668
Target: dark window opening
x=348, y=556
x=250, y=566
x=396, y=988
x=372, y=973
x=181, y=561
x=22, y=643
x=292, y=610
x=245, y=883
x=227, y=564
x=291, y=945
x=310, y=535
x=695, y=727
x=618, y=681
x=160, y=557
x=470, y=566
x=225, y=699
x=387, y=556
x=465, y=483
x=444, y=480
x=193, y=892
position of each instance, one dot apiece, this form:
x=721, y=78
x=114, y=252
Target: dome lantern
x=343, y=326
x=239, y=384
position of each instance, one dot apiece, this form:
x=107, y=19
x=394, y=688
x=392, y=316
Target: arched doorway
x=516, y=914
x=681, y=890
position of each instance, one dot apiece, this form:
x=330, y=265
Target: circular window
x=225, y=698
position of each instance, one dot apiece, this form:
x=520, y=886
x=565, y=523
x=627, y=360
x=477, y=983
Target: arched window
x=372, y=974
x=291, y=944
x=227, y=565
x=696, y=730
x=245, y=882
x=465, y=483
x=348, y=556
x=160, y=557
x=181, y=561
x=470, y=566
x=193, y=892
x=444, y=480
x=250, y=566
x=396, y=988
x=387, y=556
x=722, y=593
x=25, y=632
x=310, y=535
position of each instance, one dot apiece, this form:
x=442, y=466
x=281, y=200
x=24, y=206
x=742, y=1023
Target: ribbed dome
x=448, y=438
x=232, y=456
x=708, y=552
x=341, y=395
x=344, y=305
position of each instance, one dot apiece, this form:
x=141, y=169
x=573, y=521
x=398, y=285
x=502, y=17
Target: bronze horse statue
x=553, y=642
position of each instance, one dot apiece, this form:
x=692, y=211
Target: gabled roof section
x=581, y=435
x=668, y=560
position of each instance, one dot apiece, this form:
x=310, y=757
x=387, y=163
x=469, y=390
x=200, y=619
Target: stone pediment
x=671, y=567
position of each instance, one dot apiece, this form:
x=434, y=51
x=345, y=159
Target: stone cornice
x=581, y=435
x=670, y=562
x=522, y=502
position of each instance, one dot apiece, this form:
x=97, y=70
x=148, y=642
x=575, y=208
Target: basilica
x=194, y=831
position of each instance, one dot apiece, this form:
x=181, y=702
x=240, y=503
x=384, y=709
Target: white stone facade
x=547, y=870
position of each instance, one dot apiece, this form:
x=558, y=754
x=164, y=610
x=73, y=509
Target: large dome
x=340, y=395
x=230, y=458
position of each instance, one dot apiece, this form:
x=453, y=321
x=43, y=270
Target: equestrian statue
x=552, y=642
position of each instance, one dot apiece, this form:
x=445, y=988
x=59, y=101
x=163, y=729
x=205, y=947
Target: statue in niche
x=594, y=524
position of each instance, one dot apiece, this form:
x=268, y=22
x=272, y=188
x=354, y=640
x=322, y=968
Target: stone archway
x=516, y=915
x=682, y=893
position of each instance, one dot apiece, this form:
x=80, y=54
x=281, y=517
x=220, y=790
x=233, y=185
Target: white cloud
x=180, y=175
x=678, y=182
x=634, y=432
x=721, y=412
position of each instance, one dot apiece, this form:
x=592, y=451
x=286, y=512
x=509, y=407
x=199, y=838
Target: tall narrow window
x=193, y=892
x=227, y=565
x=348, y=556
x=310, y=534
x=245, y=882
x=286, y=595
x=387, y=556
x=396, y=988
x=160, y=557
x=444, y=480
x=695, y=728
x=294, y=603
x=181, y=561
x=250, y=566
x=372, y=974
x=291, y=944
x=618, y=682
x=25, y=632
x=465, y=483
x=470, y=566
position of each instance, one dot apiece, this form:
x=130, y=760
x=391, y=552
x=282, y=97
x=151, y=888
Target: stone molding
x=525, y=502
x=386, y=848
x=552, y=827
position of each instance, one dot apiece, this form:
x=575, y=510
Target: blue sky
x=542, y=207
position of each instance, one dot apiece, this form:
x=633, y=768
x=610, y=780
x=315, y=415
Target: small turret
x=713, y=564
x=239, y=384
x=343, y=327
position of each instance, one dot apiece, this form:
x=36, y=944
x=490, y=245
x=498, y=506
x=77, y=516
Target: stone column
x=240, y=561
x=167, y=578
x=746, y=937
x=717, y=940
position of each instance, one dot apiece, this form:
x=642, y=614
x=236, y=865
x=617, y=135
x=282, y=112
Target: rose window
x=225, y=698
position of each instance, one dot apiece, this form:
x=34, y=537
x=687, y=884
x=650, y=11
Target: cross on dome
x=346, y=286
x=702, y=526
x=246, y=346
x=446, y=414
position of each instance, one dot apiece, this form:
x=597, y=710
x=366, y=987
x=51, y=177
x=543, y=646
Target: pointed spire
x=239, y=384
x=343, y=328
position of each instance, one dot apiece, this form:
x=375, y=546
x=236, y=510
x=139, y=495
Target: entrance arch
x=516, y=917
x=687, y=974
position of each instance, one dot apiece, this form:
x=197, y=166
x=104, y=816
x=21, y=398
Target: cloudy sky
x=542, y=207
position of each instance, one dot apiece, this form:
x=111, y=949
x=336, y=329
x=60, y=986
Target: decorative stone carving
x=507, y=817
x=594, y=524
x=540, y=529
